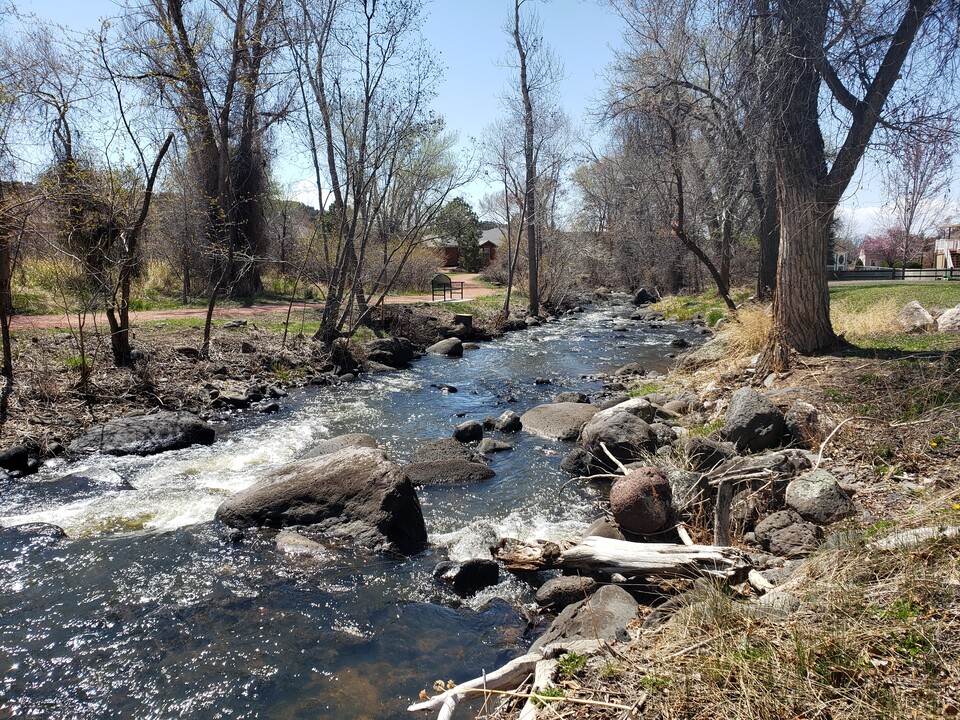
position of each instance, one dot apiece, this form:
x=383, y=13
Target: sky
x=472, y=46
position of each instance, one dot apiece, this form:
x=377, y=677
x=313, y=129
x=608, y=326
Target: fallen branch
x=616, y=462
x=619, y=556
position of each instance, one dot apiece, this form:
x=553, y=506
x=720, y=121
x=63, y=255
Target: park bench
x=446, y=288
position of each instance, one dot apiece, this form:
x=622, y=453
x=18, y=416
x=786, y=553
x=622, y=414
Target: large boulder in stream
x=558, y=421
x=145, y=434
x=356, y=493
x=451, y=347
x=340, y=442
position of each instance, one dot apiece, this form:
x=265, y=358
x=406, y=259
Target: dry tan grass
x=875, y=637
x=745, y=335
x=856, y=323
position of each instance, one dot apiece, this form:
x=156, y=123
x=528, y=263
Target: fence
x=909, y=274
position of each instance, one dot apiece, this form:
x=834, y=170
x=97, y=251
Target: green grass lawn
x=861, y=296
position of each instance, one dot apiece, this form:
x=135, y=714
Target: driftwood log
x=627, y=558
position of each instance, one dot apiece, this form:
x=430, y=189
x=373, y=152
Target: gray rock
x=574, y=397
x=605, y=615
x=949, y=321
x=818, y=497
x=805, y=425
x=451, y=347
x=469, y=576
x=145, y=434
x=581, y=463
x=557, y=421
x=705, y=454
x=340, y=442
x=293, y=543
x=602, y=527
x=642, y=501
x=356, y=493
x=625, y=436
x=395, y=352
x=679, y=343
x=508, y=422
x=631, y=369
x=454, y=471
x=489, y=446
x=445, y=449
x=785, y=533
x=752, y=422
x=689, y=489
x=796, y=540
x=556, y=593
x=638, y=407
x=775, y=605
x=469, y=431
x=914, y=319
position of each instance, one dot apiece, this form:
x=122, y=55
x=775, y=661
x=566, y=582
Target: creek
x=147, y=610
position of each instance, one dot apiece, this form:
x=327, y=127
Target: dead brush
x=746, y=334
x=875, y=637
x=852, y=322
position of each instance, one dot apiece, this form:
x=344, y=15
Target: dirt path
x=274, y=310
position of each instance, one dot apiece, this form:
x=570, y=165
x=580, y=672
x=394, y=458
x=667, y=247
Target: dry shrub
x=878, y=319
x=745, y=334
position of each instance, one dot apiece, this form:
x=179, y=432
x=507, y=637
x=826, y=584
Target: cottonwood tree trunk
x=765, y=198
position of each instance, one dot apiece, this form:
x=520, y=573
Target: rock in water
x=642, y=501
x=340, y=442
x=557, y=421
x=356, y=493
x=455, y=471
x=469, y=431
x=451, y=347
x=145, y=434
x=556, y=593
x=470, y=576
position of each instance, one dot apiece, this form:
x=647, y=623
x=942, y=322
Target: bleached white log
x=660, y=559
x=542, y=677
x=911, y=538
x=508, y=676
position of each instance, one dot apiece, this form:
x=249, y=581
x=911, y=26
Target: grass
x=861, y=297
x=707, y=304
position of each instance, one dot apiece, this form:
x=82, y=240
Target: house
x=490, y=242
x=946, y=249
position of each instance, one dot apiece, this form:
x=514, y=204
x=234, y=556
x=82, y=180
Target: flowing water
x=148, y=611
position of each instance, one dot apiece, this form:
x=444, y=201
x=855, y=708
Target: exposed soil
x=262, y=312
x=53, y=400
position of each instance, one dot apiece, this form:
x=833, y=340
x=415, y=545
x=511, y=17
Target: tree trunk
x=530, y=170
x=801, y=303
x=769, y=235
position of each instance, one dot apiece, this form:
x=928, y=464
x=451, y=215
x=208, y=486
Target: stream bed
x=147, y=610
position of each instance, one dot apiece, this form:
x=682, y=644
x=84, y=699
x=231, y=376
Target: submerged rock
x=145, y=434
x=470, y=576
x=454, y=471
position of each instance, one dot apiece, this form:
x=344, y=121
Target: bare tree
x=210, y=63
x=917, y=173
x=378, y=153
